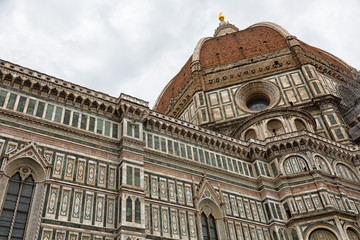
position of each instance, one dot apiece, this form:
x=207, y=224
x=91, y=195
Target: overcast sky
x=137, y=46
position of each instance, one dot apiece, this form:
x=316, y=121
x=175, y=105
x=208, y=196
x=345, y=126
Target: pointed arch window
x=208, y=227
x=137, y=211
x=128, y=209
x=16, y=208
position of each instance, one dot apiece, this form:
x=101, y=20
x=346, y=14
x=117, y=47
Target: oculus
x=257, y=96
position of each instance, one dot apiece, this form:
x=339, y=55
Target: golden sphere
x=221, y=17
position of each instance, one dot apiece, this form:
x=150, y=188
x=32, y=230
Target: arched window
x=250, y=134
x=137, y=211
x=322, y=164
x=352, y=235
x=346, y=173
x=299, y=125
x=295, y=164
x=275, y=128
x=208, y=227
x=16, y=208
x=322, y=234
x=128, y=209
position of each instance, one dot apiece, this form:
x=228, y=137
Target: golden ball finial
x=221, y=17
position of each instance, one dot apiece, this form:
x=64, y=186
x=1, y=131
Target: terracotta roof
x=241, y=45
x=324, y=55
x=253, y=41
x=173, y=87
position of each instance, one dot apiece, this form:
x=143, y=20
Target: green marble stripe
x=132, y=149
x=78, y=226
x=127, y=228
x=132, y=163
x=157, y=237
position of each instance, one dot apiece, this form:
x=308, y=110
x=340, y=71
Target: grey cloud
x=136, y=47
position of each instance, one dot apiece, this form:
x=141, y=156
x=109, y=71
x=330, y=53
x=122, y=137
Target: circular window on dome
x=257, y=96
x=258, y=103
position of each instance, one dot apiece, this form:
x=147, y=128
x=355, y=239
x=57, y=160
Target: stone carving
x=102, y=174
x=81, y=169
x=64, y=203
x=110, y=213
x=146, y=185
x=154, y=188
x=172, y=191
x=227, y=204
x=91, y=177
x=241, y=208
x=112, y=177
x=180, y=193
x=165, y=221
x=188, y=195
x=52, y=200
x=155, y=219
x=192, y=225
x=174, y=223
x=99, y=209
x=88, y=207
x=77, y=204
x=58, y=165
x=147, y=212
x=183, y=224
x=234, y=206
x=163, y=190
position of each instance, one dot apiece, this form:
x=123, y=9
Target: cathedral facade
x=256, y=138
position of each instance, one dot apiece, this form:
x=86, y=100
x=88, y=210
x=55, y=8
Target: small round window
x=257, y=104
x=257, y=96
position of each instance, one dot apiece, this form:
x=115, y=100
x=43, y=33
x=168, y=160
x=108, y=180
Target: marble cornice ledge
x=252, y=148
x=326, y=213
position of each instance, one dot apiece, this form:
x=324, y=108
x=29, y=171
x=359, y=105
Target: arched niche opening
x=300, y=125
x=250, y=134
x=322, y=234
x=322, y=165
x=352, y=234
x=275, y=128
x=345, y=172
x=295, y=164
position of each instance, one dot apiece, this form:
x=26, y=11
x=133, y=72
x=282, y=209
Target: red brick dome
x=231, y=46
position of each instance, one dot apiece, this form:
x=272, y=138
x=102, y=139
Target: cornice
x=35, y=83
x=327, y=213
x=30, y=120
x=252, y=149
x=325, y=67
x=56, y=82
